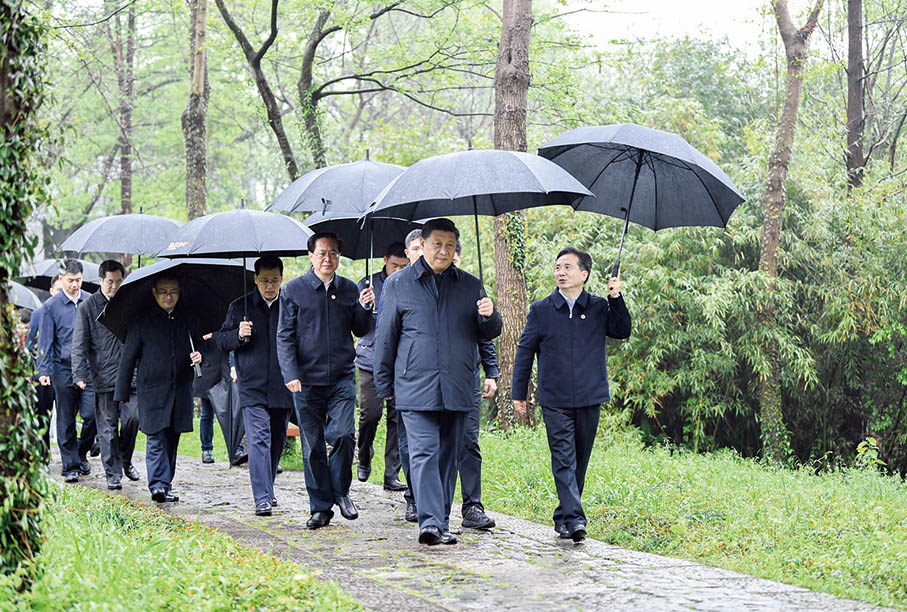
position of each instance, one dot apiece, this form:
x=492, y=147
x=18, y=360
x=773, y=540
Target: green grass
x=106, y=552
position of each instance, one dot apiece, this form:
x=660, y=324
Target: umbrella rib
x=651, y=164
x=602, y=171
x=711, y=197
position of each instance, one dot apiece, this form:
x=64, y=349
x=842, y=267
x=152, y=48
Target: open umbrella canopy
x=362, y=242
x=41, y=273
x=22, y=296
x=136, y=233
x=207, y=286
x=342, y=188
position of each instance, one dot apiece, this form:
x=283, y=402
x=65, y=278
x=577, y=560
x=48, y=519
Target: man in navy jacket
x=426, y=353
x=568, y=330
x=318, y=313
x=265, y=400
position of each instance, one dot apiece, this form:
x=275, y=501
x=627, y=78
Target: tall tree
x=855, y=76
x=511, y=85
x=122, y=45
x=775, y=438
x=195, y=117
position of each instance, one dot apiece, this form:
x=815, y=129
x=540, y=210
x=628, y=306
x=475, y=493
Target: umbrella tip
x=242, y=202
x=141, y=209
x=366, y=155
x=469, y=144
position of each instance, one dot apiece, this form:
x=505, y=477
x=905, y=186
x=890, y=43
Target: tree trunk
x=308, y=99
x=855, y=73
x=775, y=437
x=511, y=85
x=195, y=117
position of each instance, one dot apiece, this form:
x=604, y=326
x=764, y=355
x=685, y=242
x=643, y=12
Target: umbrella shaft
x=616, y=270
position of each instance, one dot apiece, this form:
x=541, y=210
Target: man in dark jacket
x=568, y=330
x=45, y=405
x=55, y=367
x=95, y=356
x=370, y=407
x=266, y=402
x=318, y=312
x=432, y=318
x=158, y=349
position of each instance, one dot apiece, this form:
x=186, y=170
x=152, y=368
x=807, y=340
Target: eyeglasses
x=269, y=283
x=326, y=254
x=174, y=293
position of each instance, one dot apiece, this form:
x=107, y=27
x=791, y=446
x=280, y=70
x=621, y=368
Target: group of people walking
x=426, y=334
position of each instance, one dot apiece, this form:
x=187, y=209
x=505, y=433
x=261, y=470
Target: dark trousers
x=118, y=425
x=43, y=409
x=369, y=417
x=471, y=460
x=206, y=425
x=266, y=432
x=70, y=400
x=403, y=446
x=571, y=434
x=435, y=438
x=325, y=414
x=160, y=458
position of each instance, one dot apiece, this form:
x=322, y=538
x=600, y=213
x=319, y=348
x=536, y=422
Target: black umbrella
x=138, y=234
x=207, y=286
x=653, y=178
x=342, y=188
x=41, y=274
x=224, y=397
x=476, y=183
x=362, y=242
x=22, y=296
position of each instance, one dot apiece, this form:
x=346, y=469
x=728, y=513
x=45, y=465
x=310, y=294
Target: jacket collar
x=421, y=268
x=558, y=300
x=316, y=282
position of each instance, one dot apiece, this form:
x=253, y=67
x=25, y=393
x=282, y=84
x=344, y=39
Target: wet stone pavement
x=519, y=565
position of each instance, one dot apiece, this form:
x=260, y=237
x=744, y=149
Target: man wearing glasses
x=318, y=313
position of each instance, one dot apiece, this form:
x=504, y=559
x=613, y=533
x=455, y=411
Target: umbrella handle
x=198, y=368
x=245, y=339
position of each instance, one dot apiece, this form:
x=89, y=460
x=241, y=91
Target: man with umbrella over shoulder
x=266, y=402
x=159, y=348
x=318, y=313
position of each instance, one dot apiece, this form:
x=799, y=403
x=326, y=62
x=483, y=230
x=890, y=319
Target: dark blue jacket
x=55, y=340
x=313, y=336
x=31, y=338
x=426, y=350
x=365, y=348
x=571, y=349
x=488, y=355
x=257, y=368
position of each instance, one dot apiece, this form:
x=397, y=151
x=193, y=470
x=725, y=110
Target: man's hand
x=519, y=407
x=81, y=384
x=294, y=385
x=367, y=297
x=208, y=336
x=486, y=307
x=245, y=329
x=195, y=358
x=44, y=380
x=489, y=388
x=389, y=399
x=614, y=286
x=233, y=375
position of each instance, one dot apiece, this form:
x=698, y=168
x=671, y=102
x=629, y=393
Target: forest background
x=185, y=108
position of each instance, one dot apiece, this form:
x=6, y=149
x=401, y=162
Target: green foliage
x=108, y=552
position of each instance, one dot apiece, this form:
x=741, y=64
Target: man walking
x=158, y=349
x=432, y=317
x=96, y=354
x=265, y=400
x=568, y=331
x=370, y=407
x=318, y=313
x=55, y=367
x=45, y=405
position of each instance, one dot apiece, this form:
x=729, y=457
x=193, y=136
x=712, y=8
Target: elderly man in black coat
x=265, y=400
x=426, y=354
x=568, y=331
x=159, y=350
x=96, y=354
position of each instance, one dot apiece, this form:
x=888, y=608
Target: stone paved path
x=519, y=566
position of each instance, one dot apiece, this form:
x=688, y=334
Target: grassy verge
x=105, y=552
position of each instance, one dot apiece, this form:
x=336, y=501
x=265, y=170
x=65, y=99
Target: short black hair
x=439, y=225
x=459, y=247
x=585, y=260
x=268, y=262
x=414, y=235
x=24, y=315
x=166, y=277
x=395, y=249
x=314, y=238
x=71, y=266
x=110, y=265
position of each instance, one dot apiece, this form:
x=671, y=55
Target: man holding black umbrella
x=318, y=313
x=159, y=348
x=266, y=402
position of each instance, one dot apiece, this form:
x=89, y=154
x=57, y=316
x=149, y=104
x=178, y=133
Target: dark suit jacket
x=95, y=349
x=157, y=348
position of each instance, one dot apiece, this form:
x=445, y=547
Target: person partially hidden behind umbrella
x=159, y=350
x=45, y=404
x=426, y=353
x=55, y=366
x=568, y=331
x=318, y=313
x=370, y=407
x=96, y=354
x=266, y=401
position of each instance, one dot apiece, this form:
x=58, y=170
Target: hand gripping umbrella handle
x=198, y=368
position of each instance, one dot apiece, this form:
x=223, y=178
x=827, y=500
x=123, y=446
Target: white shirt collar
x=74, y=300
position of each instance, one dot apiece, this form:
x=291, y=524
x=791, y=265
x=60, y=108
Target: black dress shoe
x=71, y=477
x=240, y=458
x=162, y=495
x=114, y=484
x=95, y=449
x=394, y=484
x=347, y=508
x=412, y=514
x=273, y=501
x=578, y=533
x=279, y=469
x=563, y=532
x=430, y=535
x=84, y=467
x=320, y=519
x=131, y=473
x=475, y=518
x=363, y=471
x=448, y=538
x=263, y=509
